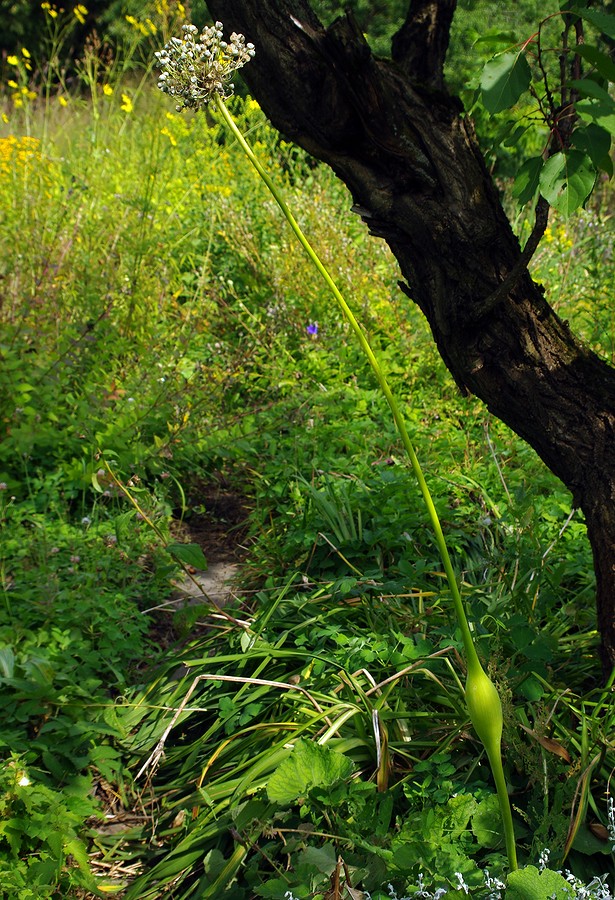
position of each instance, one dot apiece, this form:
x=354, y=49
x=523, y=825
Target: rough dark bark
x=408, y=154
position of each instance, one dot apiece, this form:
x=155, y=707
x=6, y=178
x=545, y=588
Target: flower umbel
x=195, y=67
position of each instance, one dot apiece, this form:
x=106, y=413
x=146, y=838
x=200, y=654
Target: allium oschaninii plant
x=197, y=71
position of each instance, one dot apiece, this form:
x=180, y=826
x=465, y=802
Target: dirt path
x=219, y=527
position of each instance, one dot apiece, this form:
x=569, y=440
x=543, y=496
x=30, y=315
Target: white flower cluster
x=597, y=889
x=195, y=67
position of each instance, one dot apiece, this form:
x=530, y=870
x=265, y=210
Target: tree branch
x=541, y=221
x=419, y=47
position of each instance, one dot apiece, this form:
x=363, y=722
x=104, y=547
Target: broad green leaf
x=607, y=166
x=322, y=859
x=593, y=140
x=527, y=180
x=487, y=823
x=586, y=842
x=496, y=37
x=78, y=851
x=567, y=180
x=308, y=766
x=44, y=871
x=189, y=554
x=587, y=87
x=602, y=62
x=186, y=367
x=214, y=863
x=531, y=689
x=7, y=662
x=603, y=21
x=598, y=111
x=503, y=81
x=530, y=884
x=516, y=136
x=275, y=888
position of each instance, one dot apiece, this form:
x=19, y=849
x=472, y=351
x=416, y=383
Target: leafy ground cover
x=160, y=336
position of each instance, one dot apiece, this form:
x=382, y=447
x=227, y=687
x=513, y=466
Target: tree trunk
x=403, y=146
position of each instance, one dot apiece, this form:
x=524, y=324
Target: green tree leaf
x=308, y=766
x=567, y=180
x=513, y=139
x=595, y=142
x=527, y=180
x=599, y=111
x=587, y=87
x=530, y=884
x=503, y=81
x=602, y=62
x=603, y=21
x=189, y=554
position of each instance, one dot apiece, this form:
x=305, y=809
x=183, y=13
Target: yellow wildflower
x=19, y=154
x=25, y=53
x=80, y=12
x=126, y=106
x=62, y=101
x=107, y=90
x=50, y=10
x=138, y=26
x=12, y=84
x=170, y=136
x=12, y=60
x=564, y=239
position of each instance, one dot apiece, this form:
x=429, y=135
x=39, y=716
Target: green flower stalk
x=196, y=70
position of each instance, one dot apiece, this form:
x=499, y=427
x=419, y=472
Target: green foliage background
x=154, y=342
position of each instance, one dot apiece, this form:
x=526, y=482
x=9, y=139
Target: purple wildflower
x=312, y=328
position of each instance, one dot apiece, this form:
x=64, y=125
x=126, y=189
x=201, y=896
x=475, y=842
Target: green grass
x=154, y=339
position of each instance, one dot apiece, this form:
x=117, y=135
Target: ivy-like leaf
x=530, y=884
x=602, y=62
x=487, y=823
x=527, y=180
x=595, y=141
x=567, y=180
x=503, y=81
x=309, y=765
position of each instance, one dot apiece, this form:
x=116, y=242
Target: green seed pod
x=485, y=708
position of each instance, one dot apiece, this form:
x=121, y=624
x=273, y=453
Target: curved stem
x=468, y=644
x=475, y=670
x=497, y=770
